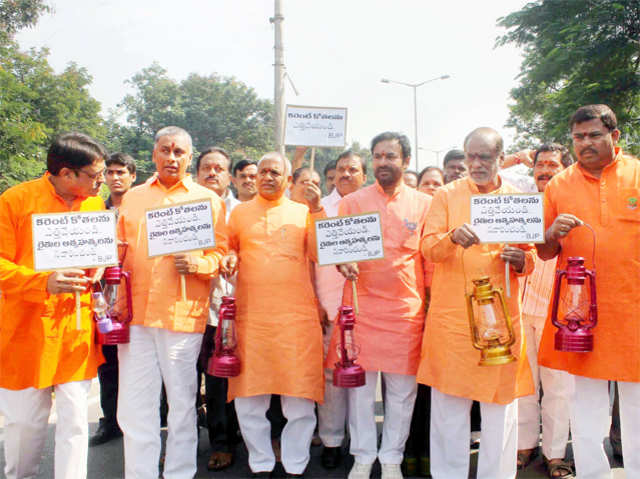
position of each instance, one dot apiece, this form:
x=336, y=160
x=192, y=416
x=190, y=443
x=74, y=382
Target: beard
x=388, y=175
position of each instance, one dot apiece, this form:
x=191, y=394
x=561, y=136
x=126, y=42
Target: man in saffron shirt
x=603, y=191
x=279, y=336
x=391, y=298
x=41, y=348
x=449, y=362
x=166, y=330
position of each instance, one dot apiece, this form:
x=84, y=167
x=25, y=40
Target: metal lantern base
x=579, y=340
x=224, y=366
x=495, y=356
x=119, y=335
x=348, y=376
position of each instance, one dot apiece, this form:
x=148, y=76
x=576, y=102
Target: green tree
x=575, y=53
x=36, y=104
x=215, y=110
x=18, y=14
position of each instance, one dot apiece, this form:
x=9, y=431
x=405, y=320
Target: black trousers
x=222, y=421
x=418, y=441
x=108, y=377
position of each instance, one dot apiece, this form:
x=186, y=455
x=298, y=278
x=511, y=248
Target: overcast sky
x=336, y=52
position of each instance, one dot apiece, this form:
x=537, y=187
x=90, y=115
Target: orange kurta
x=449, y=361
x=157, y=297
x=39, y=343
x=279, y=333
x=391, y=291
x=611, y=206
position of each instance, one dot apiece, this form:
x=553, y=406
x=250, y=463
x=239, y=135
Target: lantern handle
x=474, y=337
x=593, y=308
x=556, y=298
x=507, y=318
x=593, y=249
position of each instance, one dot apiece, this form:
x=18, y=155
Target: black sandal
x=525, y=456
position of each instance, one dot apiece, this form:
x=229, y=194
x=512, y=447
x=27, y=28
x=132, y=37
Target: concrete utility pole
x=279, y=73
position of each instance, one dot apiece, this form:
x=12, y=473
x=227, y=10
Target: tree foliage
x=575, y=53
x=215, y=110
x=35, y=102
x=35, y=105
x=18, y=14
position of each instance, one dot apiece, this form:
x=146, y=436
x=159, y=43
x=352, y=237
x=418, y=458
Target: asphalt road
x=106, y=461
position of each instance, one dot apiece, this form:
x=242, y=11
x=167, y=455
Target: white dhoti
x=26, y=413
x=589, y=408
x=399, y=398
x=296, y=435
x=154, y=356
x=557, y=387
x=450, y=436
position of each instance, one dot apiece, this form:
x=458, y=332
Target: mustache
x=588, y=148
x=544, y=177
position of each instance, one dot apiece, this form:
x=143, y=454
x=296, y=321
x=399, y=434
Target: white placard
x=315, y=126
x=180, y=227
x=346, y=239
x=84, y=239
x=514, y=218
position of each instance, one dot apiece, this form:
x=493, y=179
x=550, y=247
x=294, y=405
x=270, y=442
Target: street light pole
x=415, y=105
x=415, y=124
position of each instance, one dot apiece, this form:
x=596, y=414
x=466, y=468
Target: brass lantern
x=490, y=322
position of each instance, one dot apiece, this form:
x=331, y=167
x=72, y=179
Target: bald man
x=279, y=332
x=449, y=362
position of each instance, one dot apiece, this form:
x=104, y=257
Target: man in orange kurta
x=449, y=362
x=278, y=329
x=166, y=330
x=40, y=346
x=603, y=191
x=390, y=321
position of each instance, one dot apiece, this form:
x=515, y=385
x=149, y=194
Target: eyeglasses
x=93, y=176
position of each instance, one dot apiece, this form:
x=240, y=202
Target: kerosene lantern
x=579, y=310
x=490, y=322
x=118, y=308
x=347, y=374
x=224, y=363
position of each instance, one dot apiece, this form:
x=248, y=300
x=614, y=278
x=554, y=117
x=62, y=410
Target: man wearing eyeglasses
x=449, y=362
x=602, y=191
x=41, y=348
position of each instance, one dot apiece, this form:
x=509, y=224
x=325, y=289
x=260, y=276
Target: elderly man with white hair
x=166, y=330
x=279, y=333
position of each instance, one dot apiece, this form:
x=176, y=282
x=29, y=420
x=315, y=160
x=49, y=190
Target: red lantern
x=579, y=309
x=347, y=374
x=119, y=307
x=224, y=362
